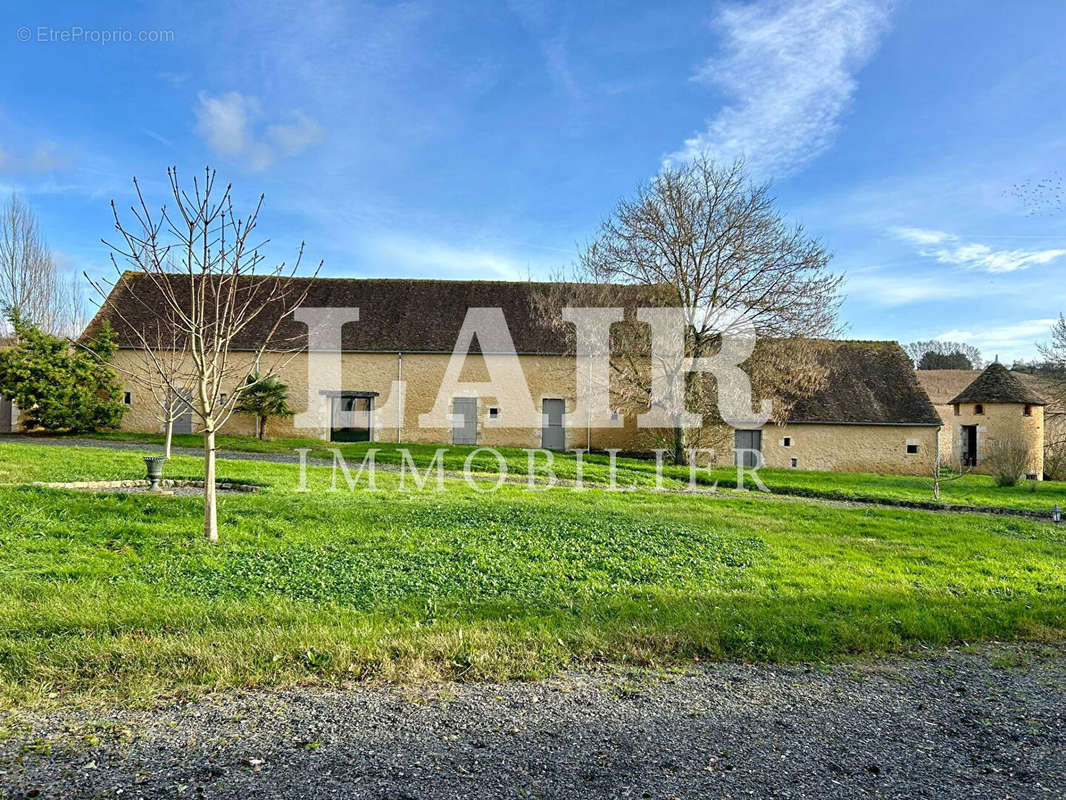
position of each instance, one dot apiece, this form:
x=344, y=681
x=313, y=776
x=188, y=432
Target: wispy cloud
x=45, y=157
x=887, y=287
x=1003, y=338
x=428, y=258
x=175, y=79
x=233, y=126
x=791, y=68
x=542, y=24
x=948, y=248
x=163, y=140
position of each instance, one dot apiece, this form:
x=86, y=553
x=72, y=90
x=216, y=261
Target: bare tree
x=218, y=290
x=166, y=372
x=28, y=283
x=1054, y=351
x=31, y=284
x=703, y=237
x=1055, y=459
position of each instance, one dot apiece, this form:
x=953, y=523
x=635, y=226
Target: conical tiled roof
x=997, y=385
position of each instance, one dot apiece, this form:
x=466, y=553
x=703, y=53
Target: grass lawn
x=118, y=596
x=968, y=490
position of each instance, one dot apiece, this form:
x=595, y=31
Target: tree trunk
x=210, y=499
x=169, y=437
x=260, y=423
x=678, y=455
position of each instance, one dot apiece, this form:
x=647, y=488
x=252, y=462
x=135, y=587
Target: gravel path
x=986, y=723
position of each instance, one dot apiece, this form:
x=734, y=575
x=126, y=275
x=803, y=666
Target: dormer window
x=978, y=409
x=1028, y=410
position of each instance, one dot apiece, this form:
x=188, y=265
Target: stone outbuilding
x=996, y=408
x=870, y=415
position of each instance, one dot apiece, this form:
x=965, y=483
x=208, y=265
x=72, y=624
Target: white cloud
x=44, y=157
x=296, y=136
x=791, y=68
x=175, y=79
x=921, y=235
x=974, y=255
x=1018, y=336
x=231, y=125
x=889, y=288
x=426, y=258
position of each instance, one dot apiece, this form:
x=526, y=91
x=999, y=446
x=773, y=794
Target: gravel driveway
x=986, y=723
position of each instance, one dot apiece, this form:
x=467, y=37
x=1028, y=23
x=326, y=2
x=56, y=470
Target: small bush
x=1007, y=460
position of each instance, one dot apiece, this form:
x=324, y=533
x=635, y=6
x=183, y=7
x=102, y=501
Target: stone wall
x=848, y=448
x=999, y=421
x=867, y=448
x=547, y=377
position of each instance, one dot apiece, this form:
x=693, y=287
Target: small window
x=494, y=413
x=957, y=409
x=614, y=416
x=1028, y=410
x=793, y=462
x=127, y=398
x=979, y=409
x=787, y=441
x=1030, y=476
x=912, y=449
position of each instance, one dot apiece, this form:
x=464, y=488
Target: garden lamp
x=1056, y=515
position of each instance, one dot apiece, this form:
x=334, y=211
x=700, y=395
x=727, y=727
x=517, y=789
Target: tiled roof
x=868, y=382
x=997, y=384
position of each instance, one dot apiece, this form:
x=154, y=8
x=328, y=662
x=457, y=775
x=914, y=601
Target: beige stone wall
x=999, y=421
x=816, y=447
x=848, y=448
x=547, y=377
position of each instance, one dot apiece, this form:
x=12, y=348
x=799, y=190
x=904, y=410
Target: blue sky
x=487, y=140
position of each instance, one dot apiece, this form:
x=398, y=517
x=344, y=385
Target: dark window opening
x=956, y=409
x=978, y=409
x=1028, y=410
x=788, y=441
x=494, y=413
x=127, y=398
x=793, y=462
x=912, y=449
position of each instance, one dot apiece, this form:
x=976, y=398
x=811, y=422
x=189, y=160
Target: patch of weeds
x=1009, y=659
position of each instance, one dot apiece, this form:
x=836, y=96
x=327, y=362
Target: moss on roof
x=998, y=385
x=869, y=383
